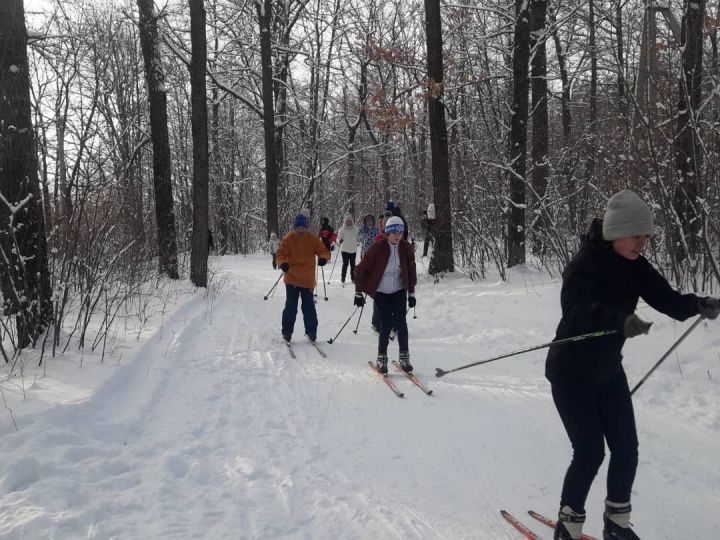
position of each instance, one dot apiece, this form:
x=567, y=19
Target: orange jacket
x=299, y=252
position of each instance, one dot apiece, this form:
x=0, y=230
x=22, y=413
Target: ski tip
x=439, y=373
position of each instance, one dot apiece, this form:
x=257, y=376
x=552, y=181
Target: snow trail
x=213, y=431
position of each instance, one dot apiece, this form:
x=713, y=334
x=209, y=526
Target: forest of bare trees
x=126, y=131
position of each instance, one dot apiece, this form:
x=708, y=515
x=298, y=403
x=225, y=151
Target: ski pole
x=670, y=350
x=333, y=268
x=332, y=340
x=360, y=317
x=273, y=287
x=414, y=313
x=440, y=372
x=322, y=269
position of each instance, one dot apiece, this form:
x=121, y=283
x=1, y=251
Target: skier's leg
x=290, y=312
x=383, y=303
x=376, y=322
x=346, y=259
x=618, y=419
x=309, y=313
x=578, y=406
x=399, y=303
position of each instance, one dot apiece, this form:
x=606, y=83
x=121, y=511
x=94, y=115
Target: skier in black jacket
x=600, y=291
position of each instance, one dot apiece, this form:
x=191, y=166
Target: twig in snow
x=9, y=409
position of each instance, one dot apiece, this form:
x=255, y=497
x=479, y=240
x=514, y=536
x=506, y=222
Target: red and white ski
x=413, y=378
x=387, y=380
x=522, y=529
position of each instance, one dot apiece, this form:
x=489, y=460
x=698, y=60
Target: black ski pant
x=376, y=317
x=426, y=244
x=348, y=258
x=391, y=309
x=274, y=263
x=592, y=414
x=289, y=314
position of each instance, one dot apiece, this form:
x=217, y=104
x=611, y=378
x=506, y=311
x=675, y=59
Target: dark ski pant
x=426, y=244
x=289, y=314
x=391, y=309
x=592, y=414
x=348, y=258
x=274, y=263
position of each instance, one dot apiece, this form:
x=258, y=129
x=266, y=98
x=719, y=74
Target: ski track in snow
x=213, y=431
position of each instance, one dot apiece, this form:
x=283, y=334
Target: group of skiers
x=386, y=272
x=601, y=288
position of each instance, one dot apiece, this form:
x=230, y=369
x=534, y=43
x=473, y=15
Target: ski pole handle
x=360, y=317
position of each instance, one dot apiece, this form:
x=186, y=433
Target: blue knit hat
x=394, y=225
x=300, y=221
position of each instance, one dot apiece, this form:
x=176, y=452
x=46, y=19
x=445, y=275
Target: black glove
x=709, y=307
x=412, y=302
x=359, y=300
x=322, y=261
x=285, y=267
x=634, y=326
x=332, y=248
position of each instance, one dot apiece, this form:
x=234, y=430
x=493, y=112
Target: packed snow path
x=213, y=431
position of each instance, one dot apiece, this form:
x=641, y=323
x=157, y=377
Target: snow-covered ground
x=206, y=428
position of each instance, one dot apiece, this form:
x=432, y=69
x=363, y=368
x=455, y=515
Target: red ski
x=413, y=378
x=387, y=380
x=550, y=523
x=527, y=533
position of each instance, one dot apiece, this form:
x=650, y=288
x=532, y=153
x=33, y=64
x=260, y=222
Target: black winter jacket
x=600, y=289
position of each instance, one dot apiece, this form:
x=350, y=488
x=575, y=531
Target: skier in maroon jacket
x=387, y=273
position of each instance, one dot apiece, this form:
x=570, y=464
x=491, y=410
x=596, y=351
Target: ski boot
x=381, y=364
x=311, y=337
x=286, y=338
x=404, y=361
x=617, y=522
x=569, y=525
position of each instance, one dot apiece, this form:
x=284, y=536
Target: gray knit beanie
x=627, y=215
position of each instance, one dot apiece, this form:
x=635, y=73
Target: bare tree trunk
x=567, y=178
x=23, y=249
x=518, y=136
x=592, y=144
x=620, y=54
x=221, y=202
x=352, y=135
x=539, y=115
x=264, y=11
x=442, y=258
x=688, y=159
x=199, y=256
x=164, y=204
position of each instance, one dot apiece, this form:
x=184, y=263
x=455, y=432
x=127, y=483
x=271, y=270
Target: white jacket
x=273, y=245
x=349, y=237
x=391, y=281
